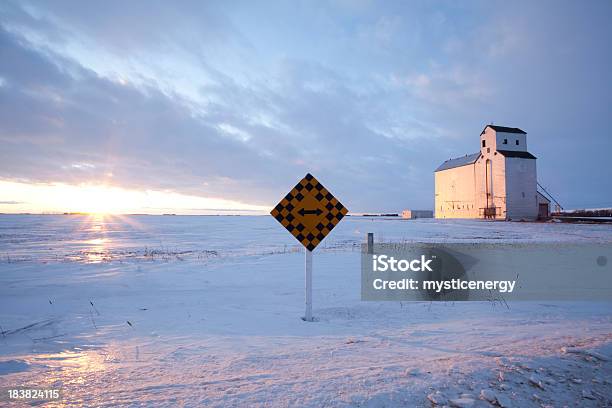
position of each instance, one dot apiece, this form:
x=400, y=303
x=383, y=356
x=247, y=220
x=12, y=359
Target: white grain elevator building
x=499, y=182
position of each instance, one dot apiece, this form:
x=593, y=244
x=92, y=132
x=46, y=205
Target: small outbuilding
x=414, y=214
x=543, y=207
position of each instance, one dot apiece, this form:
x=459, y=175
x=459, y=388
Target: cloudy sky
x=155, y=106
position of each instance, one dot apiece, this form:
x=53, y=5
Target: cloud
x=66, y=123
x=202, y=99
x=451, y=87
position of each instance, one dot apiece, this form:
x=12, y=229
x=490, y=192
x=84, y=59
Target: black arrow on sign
x=304, y=211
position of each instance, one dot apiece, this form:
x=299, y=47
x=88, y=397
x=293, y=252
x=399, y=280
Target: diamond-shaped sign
x=309, y=212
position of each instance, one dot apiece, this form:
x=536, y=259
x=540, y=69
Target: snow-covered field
x=205, y=311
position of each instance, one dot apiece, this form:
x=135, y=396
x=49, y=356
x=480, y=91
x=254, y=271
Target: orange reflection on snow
x=71, y=372
x=96, y=249
x=96, y=226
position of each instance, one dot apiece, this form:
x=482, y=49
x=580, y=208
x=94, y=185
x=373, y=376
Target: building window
x=488, y=150
x=484, y=143
x=505, y=141
x=517, y=142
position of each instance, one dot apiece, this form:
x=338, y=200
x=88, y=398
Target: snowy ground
x=204, y=311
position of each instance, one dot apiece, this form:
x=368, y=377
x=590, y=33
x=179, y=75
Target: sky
x=198, y=107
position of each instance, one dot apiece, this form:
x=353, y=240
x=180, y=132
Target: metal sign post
x=308, y=284
x=309, y=212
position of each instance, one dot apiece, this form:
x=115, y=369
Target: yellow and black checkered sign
x=309, y=212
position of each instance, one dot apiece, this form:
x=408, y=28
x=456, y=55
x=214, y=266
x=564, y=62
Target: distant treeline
x=602, y=212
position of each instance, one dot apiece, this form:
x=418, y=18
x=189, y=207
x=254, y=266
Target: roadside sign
x=309, y=212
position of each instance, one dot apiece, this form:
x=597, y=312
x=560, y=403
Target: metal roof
x=504, y=129
x=459, y=161
x=514, y=153
x=543, y=197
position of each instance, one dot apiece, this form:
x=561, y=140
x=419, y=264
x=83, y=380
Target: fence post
x=370, y=242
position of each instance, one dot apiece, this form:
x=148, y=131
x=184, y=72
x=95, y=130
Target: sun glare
x=102, y=200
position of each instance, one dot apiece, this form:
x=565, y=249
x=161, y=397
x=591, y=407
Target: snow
x=205, y=311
